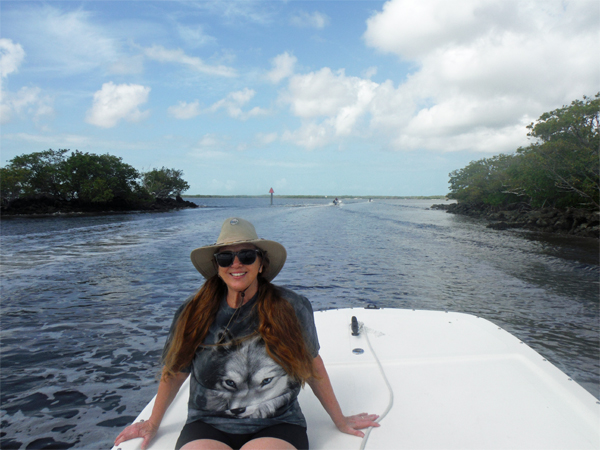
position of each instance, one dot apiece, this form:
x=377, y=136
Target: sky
x=305, y=97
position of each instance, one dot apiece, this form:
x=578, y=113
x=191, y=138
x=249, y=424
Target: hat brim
x=203, y=257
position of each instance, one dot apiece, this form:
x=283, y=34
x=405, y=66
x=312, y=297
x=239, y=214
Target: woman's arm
x=167, y=390
x=322, y=388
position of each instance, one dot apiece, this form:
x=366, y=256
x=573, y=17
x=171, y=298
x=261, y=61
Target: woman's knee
x=205, y=444
x=268, y=444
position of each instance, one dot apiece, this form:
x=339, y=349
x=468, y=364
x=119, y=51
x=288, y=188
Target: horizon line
x=424, y=197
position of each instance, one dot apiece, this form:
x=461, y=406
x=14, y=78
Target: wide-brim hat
x=239, y=231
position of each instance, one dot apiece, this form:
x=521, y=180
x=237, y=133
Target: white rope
x=391, y=401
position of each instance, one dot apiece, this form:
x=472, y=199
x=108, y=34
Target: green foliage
x=560, y=169
x=567, y=149
x=163, y=183
x=483, y=181
x=84, y=177
x=13, y=182
x=38, y=173
x=99, y=178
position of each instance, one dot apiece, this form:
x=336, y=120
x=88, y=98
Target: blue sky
x=307, y=97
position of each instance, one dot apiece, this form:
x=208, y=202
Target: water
x=87, y=301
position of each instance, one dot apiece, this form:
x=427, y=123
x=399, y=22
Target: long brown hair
x=280, y=329
x=192, y=326
x=278, y=326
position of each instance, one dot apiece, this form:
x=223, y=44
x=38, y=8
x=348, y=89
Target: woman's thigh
x=202, y=436
x=199, y=435
x=284, y=436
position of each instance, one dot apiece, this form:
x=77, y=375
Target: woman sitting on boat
x=249, y=347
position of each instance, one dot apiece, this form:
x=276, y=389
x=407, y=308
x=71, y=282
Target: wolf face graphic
x=244, y=382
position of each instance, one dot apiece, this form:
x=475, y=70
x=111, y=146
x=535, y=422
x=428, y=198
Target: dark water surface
x=87, y=301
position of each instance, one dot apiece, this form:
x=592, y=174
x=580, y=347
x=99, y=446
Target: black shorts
x=294, y=434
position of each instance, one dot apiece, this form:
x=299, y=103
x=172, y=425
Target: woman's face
x=240, y=277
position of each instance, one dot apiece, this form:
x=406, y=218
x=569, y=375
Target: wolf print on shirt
x=243, y=381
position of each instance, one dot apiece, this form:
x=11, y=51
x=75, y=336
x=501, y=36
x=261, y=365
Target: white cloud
x=257, y=12
x=11, y=57
x=335, y=105
x=310, y=136
x=305, y=20
x=265, y=138
x=184, y=110
x=28, y=100
x=24, y=99
x=128, y=65
x=256, y=112
x=410, y=28
x=62, y=42
x=283, y=67
x=195, y=36
x=211, y=147
x=260, y=162
x=116, y=102
x=483, y=70
x=209, y=141
x=161, y=54
x=73, y=42
x=206, y=154
x=336, y=96
x=233, y=105
x=5, y=111
x=369, y=72
x=476, y=139
x=320, y=93
x=241, y=97
x=59, y=141
x=31, y=101
x=486, y=67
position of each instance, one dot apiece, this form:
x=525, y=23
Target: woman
x=249, y=347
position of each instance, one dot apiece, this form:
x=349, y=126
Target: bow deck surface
x=458, y=382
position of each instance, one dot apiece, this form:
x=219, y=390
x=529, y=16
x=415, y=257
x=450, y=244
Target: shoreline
x=378, y=197
x=565, y=222
x=48, y=207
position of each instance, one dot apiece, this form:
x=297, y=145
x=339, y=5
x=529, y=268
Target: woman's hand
x=352, y=424
x=146, y=430
x=321, y=386
x=167, y=390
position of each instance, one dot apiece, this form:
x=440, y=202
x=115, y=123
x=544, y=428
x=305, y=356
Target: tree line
x=560, y=168
x=85, y=178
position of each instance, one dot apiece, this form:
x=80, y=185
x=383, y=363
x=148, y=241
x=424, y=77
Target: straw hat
x=239, y=231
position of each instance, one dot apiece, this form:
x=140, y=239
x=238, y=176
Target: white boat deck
x=458, y=382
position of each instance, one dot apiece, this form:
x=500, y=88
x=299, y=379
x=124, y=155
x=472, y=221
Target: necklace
x=226, y=330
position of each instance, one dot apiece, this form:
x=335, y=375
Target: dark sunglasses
x=246, y=257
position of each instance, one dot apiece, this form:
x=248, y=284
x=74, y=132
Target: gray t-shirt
x=235, y=386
